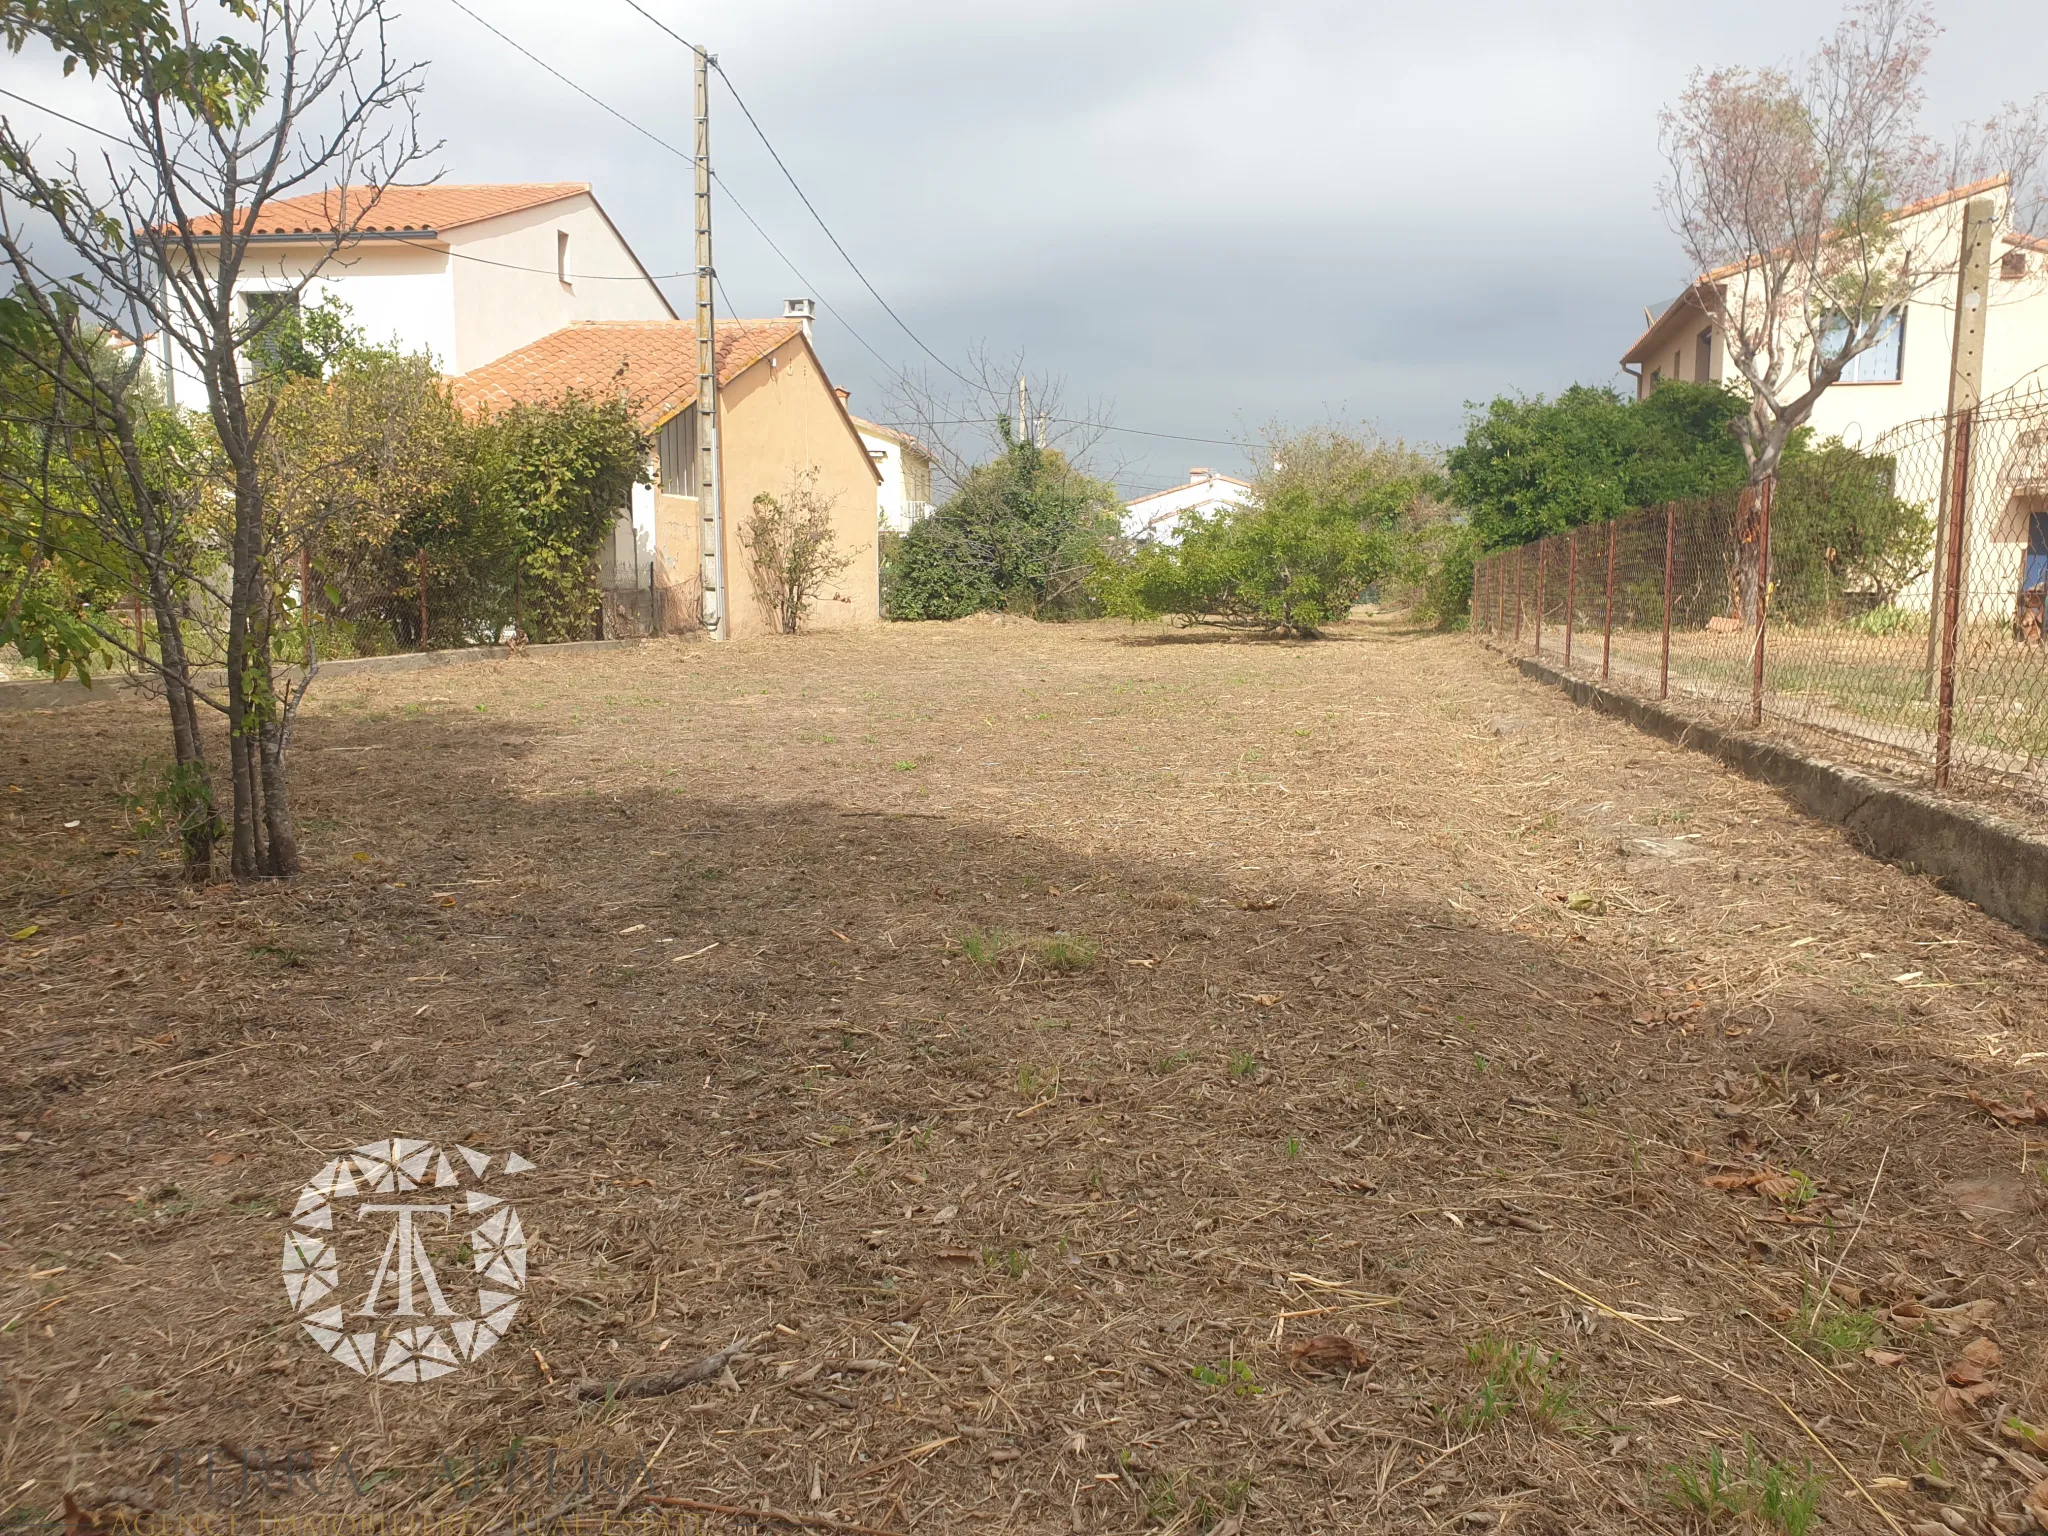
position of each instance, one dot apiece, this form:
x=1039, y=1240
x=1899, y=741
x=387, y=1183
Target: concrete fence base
x=1998, y=864
x=32, y=694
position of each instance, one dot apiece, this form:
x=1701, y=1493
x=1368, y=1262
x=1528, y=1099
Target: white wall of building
x=507, y=294
x=1157, y=518
x=894, y=509
x=469, y=297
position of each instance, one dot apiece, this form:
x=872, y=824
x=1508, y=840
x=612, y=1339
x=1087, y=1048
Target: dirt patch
x=1100, y=1085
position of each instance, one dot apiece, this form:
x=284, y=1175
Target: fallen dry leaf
x=1985, y=1353
x=2028, y=1112
x=1886, y=1357
x=1329, y=1354
x=2036, y=1501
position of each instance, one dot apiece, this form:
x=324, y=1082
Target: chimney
x=800, y=309
x=1197, y=476
x=843, y=395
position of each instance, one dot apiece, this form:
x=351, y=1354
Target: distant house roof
x=652, y=363
x=895, y=435
x=1208, y=479
x=398, y=210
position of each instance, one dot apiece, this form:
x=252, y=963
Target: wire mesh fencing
x=1885, y=603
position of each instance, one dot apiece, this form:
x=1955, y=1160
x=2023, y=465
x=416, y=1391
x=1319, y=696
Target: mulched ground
x=1106, y=1079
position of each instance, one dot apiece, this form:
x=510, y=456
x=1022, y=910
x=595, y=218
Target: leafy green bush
x=1021, y=535
x=1530, y=466
x=1438, y=563
x=1289, y=567
x=1887, y=621
x=1841, y=541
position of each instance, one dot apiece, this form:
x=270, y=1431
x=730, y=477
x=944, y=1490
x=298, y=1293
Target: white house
x=1156, y=519
x=468, y=273
x=1904, y=380
x=905, y=494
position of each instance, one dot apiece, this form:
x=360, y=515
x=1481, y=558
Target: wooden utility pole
x=711, y=518
x=1965, y=386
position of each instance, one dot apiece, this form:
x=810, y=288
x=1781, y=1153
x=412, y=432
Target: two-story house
x=467, y=273
x=1904, y=378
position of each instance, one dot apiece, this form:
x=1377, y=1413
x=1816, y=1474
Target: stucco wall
x=484, y=290
x=397, y=293
x=505, y=290
x=780, y=420
x=675, y=562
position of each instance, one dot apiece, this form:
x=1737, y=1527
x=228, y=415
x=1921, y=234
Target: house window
x=1703, y=356
x=1881, y=363
x=562, y=269
x=675, y=445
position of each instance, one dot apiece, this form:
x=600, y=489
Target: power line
x=1070, y=421
x=804, y=197
x=656, y=138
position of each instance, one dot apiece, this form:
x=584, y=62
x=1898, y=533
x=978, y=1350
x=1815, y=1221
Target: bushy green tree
x=1841, y=540
x=1291, y=566
x=1020, y=534
x=1530, y=466
x=1331, y=516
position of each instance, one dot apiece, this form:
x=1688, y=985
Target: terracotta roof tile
x=420, y=210
x=651, y=363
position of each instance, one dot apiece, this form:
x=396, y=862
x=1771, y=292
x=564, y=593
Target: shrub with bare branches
x=793, y=550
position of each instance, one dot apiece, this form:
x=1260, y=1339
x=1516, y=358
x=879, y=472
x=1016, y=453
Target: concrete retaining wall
x=1998, y=864
x=42, y=695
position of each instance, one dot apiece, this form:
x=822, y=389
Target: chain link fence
x=1884, y=604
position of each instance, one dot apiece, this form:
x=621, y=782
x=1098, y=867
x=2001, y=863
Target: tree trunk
x=1749, y=577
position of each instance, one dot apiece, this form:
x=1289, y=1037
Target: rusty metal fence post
x=1763, y=598
x=1542, y=551
x=1571, y=591
x=1952, y=598
x=1607, y=608
x=1670, y=546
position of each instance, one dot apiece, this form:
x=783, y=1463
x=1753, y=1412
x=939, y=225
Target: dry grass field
x=1102, y=1079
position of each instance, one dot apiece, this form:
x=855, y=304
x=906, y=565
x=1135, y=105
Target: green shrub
x=1021, y=535
x=1289, y=567
x=1887, y=621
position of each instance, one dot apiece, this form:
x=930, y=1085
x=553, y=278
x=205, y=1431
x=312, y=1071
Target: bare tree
x=1800, y=194
x=963, y=418
x=794, y=552
x=156, y=239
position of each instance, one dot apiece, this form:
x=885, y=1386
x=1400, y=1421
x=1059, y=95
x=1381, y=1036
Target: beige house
x=779, y=420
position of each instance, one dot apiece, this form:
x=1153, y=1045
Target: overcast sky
x=1208, y=216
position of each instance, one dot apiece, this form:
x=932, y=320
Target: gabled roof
x=1722, y=273
x=1193, y=485
x=423, y=210
x=652, y=363
x=896, y=435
